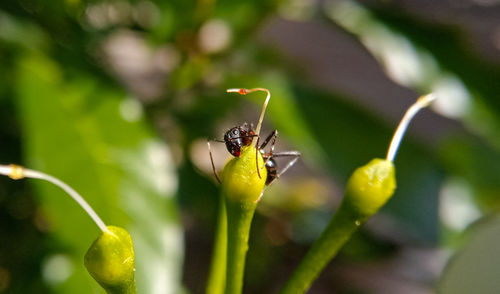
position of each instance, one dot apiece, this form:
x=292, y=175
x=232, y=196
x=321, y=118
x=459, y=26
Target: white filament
x=9, y=170
x=422, y=102
x=5, y=170
x=264, y=106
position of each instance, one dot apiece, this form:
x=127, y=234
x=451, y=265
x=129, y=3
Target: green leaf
x=475, y=268
x=94, y=138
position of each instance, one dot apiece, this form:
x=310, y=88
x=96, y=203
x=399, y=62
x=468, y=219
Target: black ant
x=240, y=136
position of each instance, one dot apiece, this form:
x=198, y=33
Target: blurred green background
x=117, y=98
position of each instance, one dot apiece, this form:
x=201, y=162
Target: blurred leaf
x=479, y=164
x=19, y=32
x=474, y=269
x=428, y=56
x=189, y=74
x=88, y=135
x=447, y=43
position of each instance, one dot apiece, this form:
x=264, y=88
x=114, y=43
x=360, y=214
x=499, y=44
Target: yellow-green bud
x=110, y=261
x=240, y=180
x=369, y=187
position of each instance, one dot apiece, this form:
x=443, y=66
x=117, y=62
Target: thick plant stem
x=239, y=220
x=338, y=231
x=368, y=189
x=241, y=189
x=217, y=275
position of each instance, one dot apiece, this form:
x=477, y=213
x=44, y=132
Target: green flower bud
x=110, y=261
x=369, y=188
x=240, y=180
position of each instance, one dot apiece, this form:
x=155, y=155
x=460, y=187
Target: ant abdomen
x=272, y=170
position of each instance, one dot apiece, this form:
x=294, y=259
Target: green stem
x=367, y=190
x=241, y=188
x=338, y=231
x=217, y=276
x=239, y=220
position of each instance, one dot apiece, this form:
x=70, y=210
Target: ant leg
x=287, y=154
x=271, y=136
x=294, y=154
x=212, y=161
x=217, y=140
x=289, y=165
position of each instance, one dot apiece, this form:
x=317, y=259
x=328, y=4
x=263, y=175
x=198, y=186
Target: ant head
x=237, y=137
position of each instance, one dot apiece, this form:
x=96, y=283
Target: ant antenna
x=212, y=161
x=17, y=172
x=422, y=102
x=243, y=91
